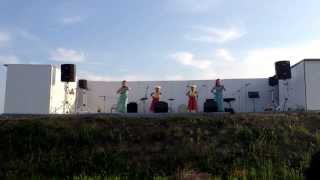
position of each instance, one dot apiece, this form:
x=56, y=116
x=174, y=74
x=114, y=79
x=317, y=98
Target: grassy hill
x=244, y=146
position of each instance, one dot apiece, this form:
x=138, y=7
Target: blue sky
x=159, y=40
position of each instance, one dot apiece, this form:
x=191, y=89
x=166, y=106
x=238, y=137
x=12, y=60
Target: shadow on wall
x=313, y=173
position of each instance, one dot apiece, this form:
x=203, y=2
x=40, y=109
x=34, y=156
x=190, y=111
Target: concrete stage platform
x=134, y=115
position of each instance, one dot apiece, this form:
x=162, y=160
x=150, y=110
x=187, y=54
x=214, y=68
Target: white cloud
x=257, y=63
x=98, y=77
x=9, y=59
x=67, y=55
x=215, y=35
x=5, y=38
x=92, y=76
x=260, y=62
x=129, y=77
x=224, y=54
x=192, y=6
x=188, y=59
x=176, y=77
x=27, y=35
x=72, y=20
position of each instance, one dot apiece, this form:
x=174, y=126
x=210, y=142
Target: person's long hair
x=218, y=82
x=123, y=83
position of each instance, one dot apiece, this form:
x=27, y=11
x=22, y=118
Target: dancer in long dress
x=193, y=98
x=217, y=90
x=155, y=98
x=123, y=92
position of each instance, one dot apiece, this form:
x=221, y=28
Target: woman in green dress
x=123, y=92
x=217, y=90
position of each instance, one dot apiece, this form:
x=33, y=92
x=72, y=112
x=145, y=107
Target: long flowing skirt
x=192, y=104
x=219, y=98
x=122, y=103
x=153, y=104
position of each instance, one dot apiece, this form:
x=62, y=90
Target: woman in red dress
x=193, y=96
x=155, y=98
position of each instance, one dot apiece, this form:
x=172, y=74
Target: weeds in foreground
x=225, y=147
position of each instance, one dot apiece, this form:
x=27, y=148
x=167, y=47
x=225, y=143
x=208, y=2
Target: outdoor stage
x=118, y=115
x=39, y=89
x=152, y=116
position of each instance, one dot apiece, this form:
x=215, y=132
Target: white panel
x=3, y=75
x=177, y=89
x=293, y=89
x=313, y=84
x=58, y=93
x=27, y=89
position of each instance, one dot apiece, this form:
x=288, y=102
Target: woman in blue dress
x=123, y=92
x=217, y=90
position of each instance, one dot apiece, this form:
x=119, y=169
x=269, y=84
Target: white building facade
x=36, y=89
x=302, y=91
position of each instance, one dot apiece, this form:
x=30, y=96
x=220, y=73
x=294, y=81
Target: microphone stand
x=239, y=96
x=144, y=99
x=246, y=96
x=104, y=98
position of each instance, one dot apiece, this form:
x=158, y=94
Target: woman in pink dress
x=155, y=97
x=193, y=96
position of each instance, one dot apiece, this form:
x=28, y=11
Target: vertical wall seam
x=305, y=86
x=50, y=89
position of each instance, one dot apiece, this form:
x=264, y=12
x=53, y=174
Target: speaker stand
x=66, y=106
x=83, y=108
x=274, y=106
x=286, y=98
x=104, y=99
x=144, y=105
x=246, y=97
x=254, y=104
x=171, y=110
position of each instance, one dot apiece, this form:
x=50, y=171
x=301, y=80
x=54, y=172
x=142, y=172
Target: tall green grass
x=243, y=146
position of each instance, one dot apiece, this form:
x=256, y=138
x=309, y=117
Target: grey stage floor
x=147, y=115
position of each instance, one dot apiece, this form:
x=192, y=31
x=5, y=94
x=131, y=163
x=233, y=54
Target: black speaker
x=253, y=95
x=283, y=70
x=210, y=106
x=161, y=107
x=68, y=72
x=83, y=84
x=273, y=81
x=132, y=107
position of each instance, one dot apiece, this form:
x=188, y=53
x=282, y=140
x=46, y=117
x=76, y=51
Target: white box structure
x=303, y=90
x=35, y=89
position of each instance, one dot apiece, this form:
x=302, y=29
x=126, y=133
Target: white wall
x=177, y=89
x=36, y=89
x=27, y=89
x=295, y=91
x=57, y=92
x=2, y=87
x=313, y=84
